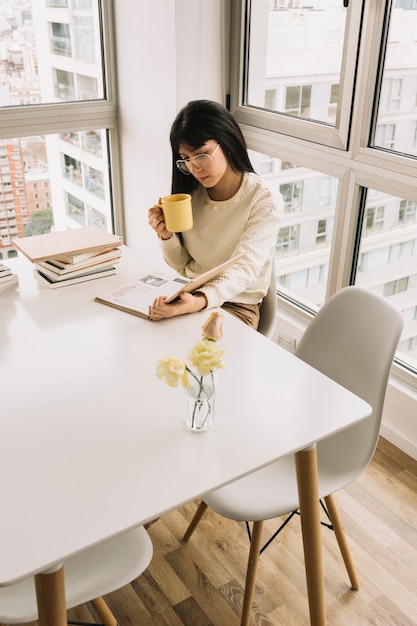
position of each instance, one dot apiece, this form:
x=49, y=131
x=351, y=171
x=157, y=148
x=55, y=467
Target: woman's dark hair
x=198, y=122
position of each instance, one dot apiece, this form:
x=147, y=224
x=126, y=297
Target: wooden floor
x=201, y=583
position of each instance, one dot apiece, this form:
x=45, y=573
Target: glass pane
x=53, y=183
x=387, y=262
x=295, y=57
x=396, y=126
x=303, y=245
x=50, y=52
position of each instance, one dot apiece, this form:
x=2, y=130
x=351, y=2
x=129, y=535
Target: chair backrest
x=353, y=339
x=268, y=311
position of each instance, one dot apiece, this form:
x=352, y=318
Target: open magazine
x=137, y=296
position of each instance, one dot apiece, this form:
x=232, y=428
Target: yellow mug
x=178, y=214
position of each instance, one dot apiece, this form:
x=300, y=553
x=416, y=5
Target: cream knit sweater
x=248, y=222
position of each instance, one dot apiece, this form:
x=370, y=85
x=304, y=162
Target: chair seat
x=272, y=491
x=265, y=494
x=88, y=575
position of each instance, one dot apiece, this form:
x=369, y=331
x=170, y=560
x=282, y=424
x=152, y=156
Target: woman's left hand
x=187, y=303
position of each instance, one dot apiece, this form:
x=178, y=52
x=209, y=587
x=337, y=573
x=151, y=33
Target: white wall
x=146, y=77
x=170, y=52
x=200, y=50
x=399, y=423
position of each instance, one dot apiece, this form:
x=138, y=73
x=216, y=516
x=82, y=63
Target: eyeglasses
x=199, y=160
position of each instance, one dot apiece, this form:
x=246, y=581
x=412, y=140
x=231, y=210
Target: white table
x=93, y=444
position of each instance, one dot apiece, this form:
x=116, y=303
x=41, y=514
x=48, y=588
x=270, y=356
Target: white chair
x=88, y=576
x=268, y=311
x=352, y=339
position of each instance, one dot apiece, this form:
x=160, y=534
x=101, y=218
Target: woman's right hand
x=157, y=222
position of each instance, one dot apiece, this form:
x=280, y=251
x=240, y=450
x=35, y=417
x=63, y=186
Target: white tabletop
x=93, y=444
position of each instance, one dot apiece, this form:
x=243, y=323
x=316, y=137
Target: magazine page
x=137, y=296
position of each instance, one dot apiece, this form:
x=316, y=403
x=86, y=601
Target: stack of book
x=72, y=256
x=77, y=268
x=7, y=277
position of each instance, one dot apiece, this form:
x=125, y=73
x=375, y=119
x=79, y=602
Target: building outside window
x=345, y=112
x=58, y=52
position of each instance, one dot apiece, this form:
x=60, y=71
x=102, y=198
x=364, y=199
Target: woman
x=234, y=211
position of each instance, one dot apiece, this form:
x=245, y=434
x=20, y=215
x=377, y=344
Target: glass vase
x=200, y=400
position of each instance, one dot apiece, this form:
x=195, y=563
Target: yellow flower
x=173, y=371
x=213, y=327
x=205, y=356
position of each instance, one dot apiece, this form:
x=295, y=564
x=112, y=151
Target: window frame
x=333, y=136
x=43, y=119
x=349, y=157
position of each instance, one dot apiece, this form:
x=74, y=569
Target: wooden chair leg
x=50, y=596
x=341, y=540
x=255, y=546
x=308, y=496
x=104, y=612
x=194, y=522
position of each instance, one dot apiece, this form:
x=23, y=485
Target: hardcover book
x=77, y=261
x=55, y=273
x=68, y=280
x=10, y=279
x=4, y=270
x=7, y=277
x=66, y=243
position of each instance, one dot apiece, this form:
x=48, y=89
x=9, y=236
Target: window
x=321, y=235
x=385, y=136
x=407, y=211
x=388, y=263
x=331, y=121
x=288, y=239
x=397, y=105
x=307, y=227
x=374, y=218
x=298, y=100
x=292, y=194
x=60, y=39
x=303, y=53
x=391, y=94
x=60, y=159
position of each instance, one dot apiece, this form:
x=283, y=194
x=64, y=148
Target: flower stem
x=198, y=400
